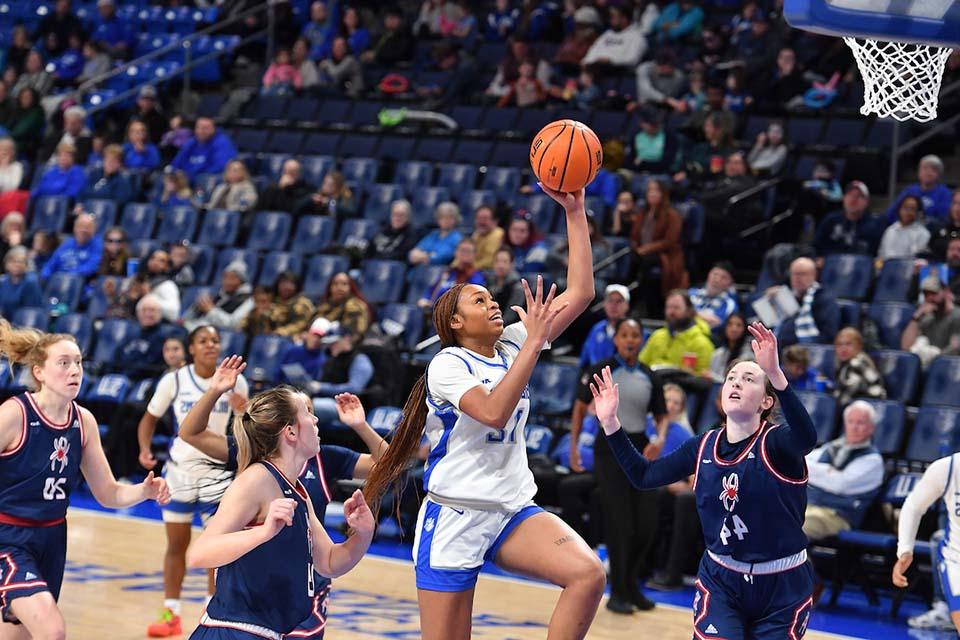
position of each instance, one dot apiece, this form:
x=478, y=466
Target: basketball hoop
x=901, y=79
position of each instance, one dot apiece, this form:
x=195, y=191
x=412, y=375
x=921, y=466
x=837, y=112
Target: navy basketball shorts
x=31, y=561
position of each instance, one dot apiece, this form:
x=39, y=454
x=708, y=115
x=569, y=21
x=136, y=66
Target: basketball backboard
x=931, y=22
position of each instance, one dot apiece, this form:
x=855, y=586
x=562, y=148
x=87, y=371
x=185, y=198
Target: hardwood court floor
x=114, y=587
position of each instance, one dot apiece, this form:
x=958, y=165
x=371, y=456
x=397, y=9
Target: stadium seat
x=232, y=342
x=112, y=333
x=434, y=149
x=49, y=214
x=472, y=150
x=553, y=388
x=315, y=167
x=455, y=178
x=942, y=381
x=360, y=170
x=849, y=313
x=382, y=280
x=253, y=140
x=110, y=389
x=379, y=199
x=397, y=148
x=190, y=295
x=357, y=233
x=359, y=145
x=313, y=233
x=412, y=174
x=321, y=144
x=822, y=358
x=319, y=271
x=385, y=419
x=900, y=371
x=66, y=288
x=847, y=275
x=893, y=283
x=275, y=263
x=226, y=256
x=472, y=200
x=504, y=182
x=103, y=211
x=79, y=326
x=270, y=231
x=845, y=132
x=936, y=433
x=32, y=317
x=284, y=142
x=271, y=165
x=500, y=119
x=544, y=210
x=177, y=224
x=891, y=319
x=263, y=359
x=407, y=318
x=822, y=408
x=137, y=220
x=420, y=277
x=538, y=439
x=890, y=427
x=219, y=228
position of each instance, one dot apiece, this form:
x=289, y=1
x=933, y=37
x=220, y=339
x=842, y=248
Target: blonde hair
x=114, y=150
x=28, y=346
x=852, y=334
x=258, y=429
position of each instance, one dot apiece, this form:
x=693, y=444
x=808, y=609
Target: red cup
x=689, y=360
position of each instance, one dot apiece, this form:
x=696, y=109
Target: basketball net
x=901, y=79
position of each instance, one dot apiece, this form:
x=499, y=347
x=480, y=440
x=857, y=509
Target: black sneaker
x=617, y=605
x=643, y=602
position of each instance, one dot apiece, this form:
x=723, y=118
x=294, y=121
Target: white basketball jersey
x=951, y=502
x=471, y=464
x=181, y=389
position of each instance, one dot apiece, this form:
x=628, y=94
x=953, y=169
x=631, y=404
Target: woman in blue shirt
x=528, y=246
x=64, y=178
x=358, y=38
x=438, y=246
x=138, y=152
x=18, y=288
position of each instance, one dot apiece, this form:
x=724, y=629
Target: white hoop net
x=901, y=79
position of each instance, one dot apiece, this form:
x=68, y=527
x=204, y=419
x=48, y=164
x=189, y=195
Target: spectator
x=148, y=112
x=818, y=318
x=310, y=355
x=157, y=270
x=705, y=160
x=62, y=179
x=654, y=145
x=678, y=22
x=586, y=27
x=606, y=184
x=42, y=247
x=942, y=235
x=113, y=262
x=259, y=321
x=19, y=287
x=438, y=246
x=397, y=236
x=717, y=298
x=908, y=237
x=181, y=264
x=852, y=229
x=769, y=152
x=796, y=366
x=320, y=30
x=176, y=137
x=291, y=311
x=358, y=36
x=236, y=192
x=13, y=229
x=599, y=343
x=623, y=214
x=487, y=236
x=208, y=151
x=334, y=198
x=138, y=152
x=933, y=194
x=621, y=46
x=300, y=59
x=289, y=191
x=824, y=188
x=501, y=22
x=737, y=98
x=345, y=370
x=7, y=104
x=529, y=249
x=395, y=44
x=176, y=190
x=934, y=329
x=231, y=305
x=844, y=476
x=120, y=296
x=655, y=241
x=68, y=67
x=856, y=374
x=34, y=76
x=508, y=71
x=20, y=48
x=784, y=87
x=526, y=90
x=26, y=122
x=950, y=269
x=11, y=169
x=694, y=98
x=282, y=76
x=463, y=270
x=96, y=62
x=342, y=69
x=503, y=283
x=75, y=132
x=57, y=27
x=114, y=34
x=460, y=70
x=659, y=81
x=683, y=343
x=734, y=345
x=343, y=303
x=110, y=182
x=756, y=48
x=174, y=353
x=436, y=18
x=142, y=357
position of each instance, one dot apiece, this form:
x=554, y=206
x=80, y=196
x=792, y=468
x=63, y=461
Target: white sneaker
x=938, y=617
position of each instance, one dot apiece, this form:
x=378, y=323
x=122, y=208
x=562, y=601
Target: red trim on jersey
x=743, y=454
x=703, y=444
x=323, y=479
x=296, y=487
x=8, y=584
x=50, y=423
x=796, y=617
x=705, y=600
x=83, y=432
x=769, y=465
x=29, y=522
x=322, y=621
x=23, y=431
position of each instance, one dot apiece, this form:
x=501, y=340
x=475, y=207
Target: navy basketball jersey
x=747, y=509
x=272, y=585
x=42, y=469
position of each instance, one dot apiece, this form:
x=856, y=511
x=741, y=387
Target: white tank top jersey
x=181, y=389
x=471, y=464
x=940, y=481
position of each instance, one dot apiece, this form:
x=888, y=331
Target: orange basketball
x=566, y=155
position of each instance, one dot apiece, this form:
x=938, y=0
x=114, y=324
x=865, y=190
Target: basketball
x=566, y=155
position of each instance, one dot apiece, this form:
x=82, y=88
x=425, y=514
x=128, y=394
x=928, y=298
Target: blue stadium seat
x=822, y=408
x=936, y=433
x=411, y=174
x=893, y=283
x=693, y=222
x=891, y=319
x=357, y=232
x=143, y=248
x=847, y=275
x=79, y=326
x=112, y=333
x=313, y=233
x=176, y=224
x=849, y=313
x=503, y=181
x=232, y=342
x=263, y=359
x=845, y=132
x=323, y=143
x=66, y=288
x=397, y=147
x=543, y=208
x=434, y=149
x=270, y=231
x=466, y=116
x=32, y=317
x=103, y=211
x=511, y=154
x=942, y=381
x=472, y=150
x=204, y=260
x=553, y=388
x=407, y=316
x=457, y=178
x=226, y=256
x=275, y=263
x=890, y=427
x=315, y=167
x=360, y=170
x=111, y=388
x=190, y=295
x=610, y=124
x=822, y=358
x=303, y=110
x=901, y=373
x=271, y=165
x=385, y=419
x=472, y=200
x=382, y=280
x=425, y=201
x=284, y=142
x=379, y=199
x=319, y=271
x=538, y=439
x=138, y=220
x=253, y=140
x=361, y=145
x=501, y=119
x=219, y=228
x=420, y=277
x=49, y=214
x=804, y=131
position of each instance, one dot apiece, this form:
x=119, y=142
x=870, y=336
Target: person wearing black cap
x=852, y=229
x=148, y=112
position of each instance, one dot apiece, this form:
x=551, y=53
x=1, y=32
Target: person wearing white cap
x=852, y=229
x=932, y=192
x=231, y=305
x=599, y=343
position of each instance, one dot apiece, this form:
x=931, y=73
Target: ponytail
x=257, y=430
x=28, y=346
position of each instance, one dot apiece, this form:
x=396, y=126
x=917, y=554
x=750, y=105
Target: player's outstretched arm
x=334, y=560
x=351, y=413
x=194, y=430
x=927, y=491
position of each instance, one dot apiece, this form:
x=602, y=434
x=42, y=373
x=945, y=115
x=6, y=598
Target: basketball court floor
x=114, y=587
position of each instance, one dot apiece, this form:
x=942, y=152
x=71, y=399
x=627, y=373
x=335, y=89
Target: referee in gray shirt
x=629, y=515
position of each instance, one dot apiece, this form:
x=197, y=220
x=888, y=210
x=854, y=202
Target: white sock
x=173, y=604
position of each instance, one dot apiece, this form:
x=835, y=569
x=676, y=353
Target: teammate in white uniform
x=196, y=481
x=473, y=403
x=941, y=481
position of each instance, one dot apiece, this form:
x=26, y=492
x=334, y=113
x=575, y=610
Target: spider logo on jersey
x=61, y=447
x=730, y=494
